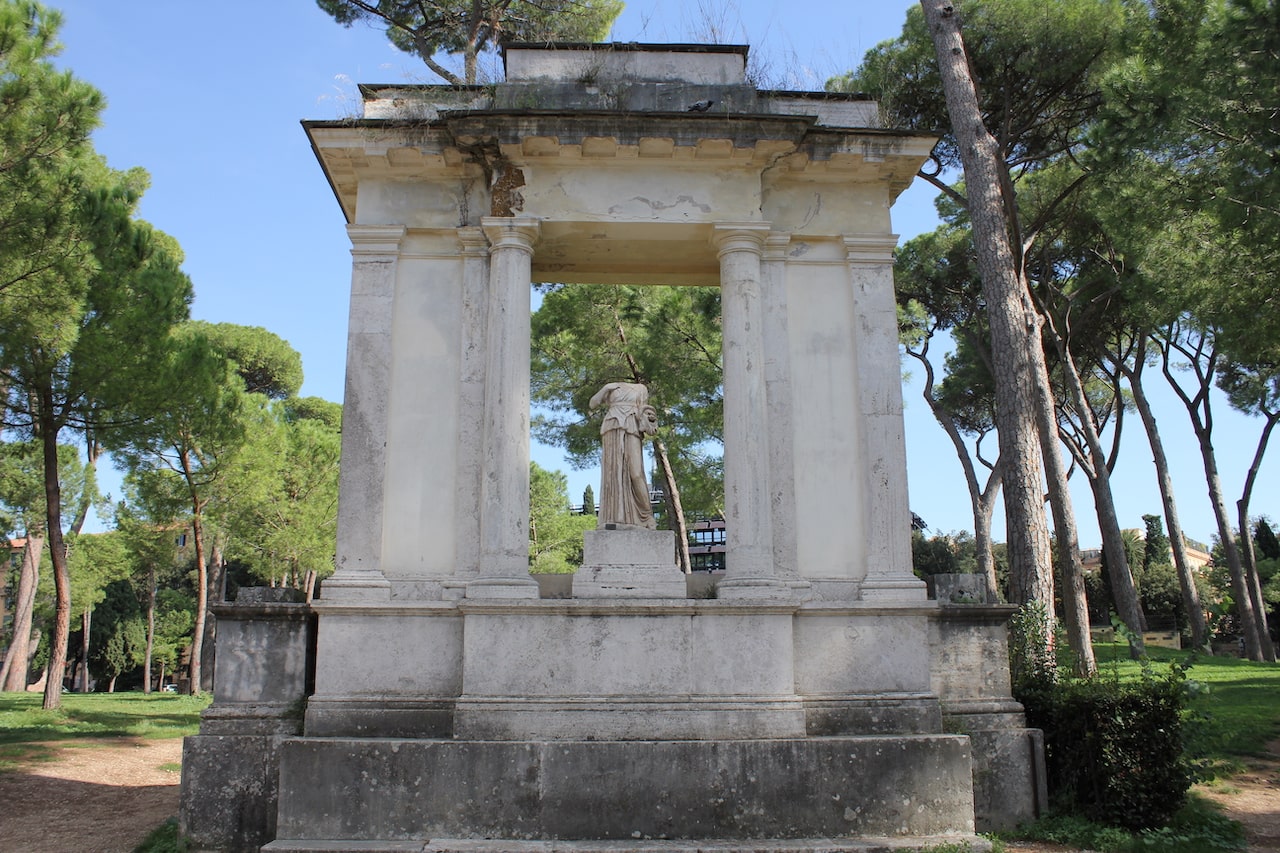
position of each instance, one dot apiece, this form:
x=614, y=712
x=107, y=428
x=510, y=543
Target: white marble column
x=883, y=445
x=358, y=575
x=749, y=569
x=504, y=482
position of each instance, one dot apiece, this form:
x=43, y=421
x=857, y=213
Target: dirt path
x=1253, y=798
x=96, y=796
x=107, y=796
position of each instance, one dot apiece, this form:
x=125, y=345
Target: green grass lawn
x=1239, y=713
x=25, y=728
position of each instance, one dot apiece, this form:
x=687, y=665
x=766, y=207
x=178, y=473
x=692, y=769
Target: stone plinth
x=629, y=562
x=970, y=670
x=263, y=674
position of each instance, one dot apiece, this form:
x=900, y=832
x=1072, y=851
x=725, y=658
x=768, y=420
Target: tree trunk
x=111, y=685
x=48, y=428
x=151, y=629
x=202, y=575
x=675, y=507
x=1015, y=326
x=982, y=500
x=1123, y=592
x=93, y=453
x=1178, y=543
x=216, y=575
x=982, y=535
x=86, y=618
x=1202, y=426
x=1239, y=583
x=1246, y=541
x=17, y=658
x=1075, y=602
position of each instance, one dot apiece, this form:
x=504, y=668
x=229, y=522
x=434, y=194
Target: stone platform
x=345, y=791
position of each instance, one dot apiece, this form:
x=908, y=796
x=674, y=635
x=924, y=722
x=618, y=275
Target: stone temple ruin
x=429, y=696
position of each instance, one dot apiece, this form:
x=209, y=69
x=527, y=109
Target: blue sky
x=208, y=97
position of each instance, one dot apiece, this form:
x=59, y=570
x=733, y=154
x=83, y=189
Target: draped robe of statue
x=624, y=492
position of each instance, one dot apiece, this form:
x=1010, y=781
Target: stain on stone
x=507, y=199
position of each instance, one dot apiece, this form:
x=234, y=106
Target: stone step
x=975, y=844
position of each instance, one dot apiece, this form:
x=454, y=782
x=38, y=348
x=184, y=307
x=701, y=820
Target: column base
x=355, y=586
x=908, y=588
x=753, y=588
x=502, y=588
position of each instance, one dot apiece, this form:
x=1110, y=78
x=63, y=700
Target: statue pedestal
x=629, y=562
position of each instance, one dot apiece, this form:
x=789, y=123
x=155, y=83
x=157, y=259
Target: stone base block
x=229, y=791
x=629, y=562
x=392, y=791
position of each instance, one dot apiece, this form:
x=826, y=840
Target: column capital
x=776, y=245
x=740, y=236
x=511, y=232
x=870, y=249
x=375, y=239
x=473, y=241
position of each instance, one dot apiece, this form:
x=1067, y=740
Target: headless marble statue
x=624, y=492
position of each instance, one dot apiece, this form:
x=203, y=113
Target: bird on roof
x=701, y=106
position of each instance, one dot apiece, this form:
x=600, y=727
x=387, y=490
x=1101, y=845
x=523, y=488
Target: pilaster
x=358, y=575
x=471, y=446
x=883, y=450
x=778, y=391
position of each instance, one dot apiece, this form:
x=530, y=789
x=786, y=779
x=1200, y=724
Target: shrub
x=1113, y=750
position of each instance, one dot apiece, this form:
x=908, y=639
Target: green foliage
x=46, y=116
x=1032, y=661
x=555, y=533
x=471, y=28
x=1156, y=545
x=1197, y=827
x=1264, y=537
x=1115, y=747
x=118, y=641
x=281, y=508
x=667, y=338
x=314, y=409
x=264, y=360
x=175, y=619
x=1037, y=66
x=165, y=838
x=951, y=553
